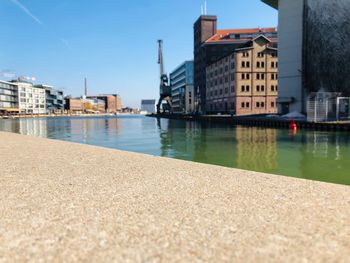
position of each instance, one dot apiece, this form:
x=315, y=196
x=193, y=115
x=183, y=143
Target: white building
x=290, y=53
x=148, y=106
x=32, y=100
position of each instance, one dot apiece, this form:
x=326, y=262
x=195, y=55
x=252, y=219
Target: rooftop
x=241, y=35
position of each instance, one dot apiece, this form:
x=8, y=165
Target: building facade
x=8, y=97
x=148, y=106
x=74, y=105
x=32, y=100
x=54, y=99
x=112, y=102
x=181, y=82
x=313, y=50
x=211, y=44
x=244, y=82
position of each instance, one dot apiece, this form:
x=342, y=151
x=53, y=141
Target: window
x=226, y=79
x=220, y=91
x=226, y=90
x=262, y=76
x=243, y=76
x=272, y=104
x=221, y=70
x=232, y=88
x=258, y=104
x=262, y=104
x=243, y=88
x=247, y=76
x=232, y=76
x=247, y=88
x=272, y=76
x=262, y=88
x=232, y=65
x=272, y=64
x=242, y=105
x=248, y=64
x=243, y=64
x=258, y=64
x=272, y=88
x=226, y=68
x=247, y=104
x=263, y=64
x=258, y=76
x=258, y=88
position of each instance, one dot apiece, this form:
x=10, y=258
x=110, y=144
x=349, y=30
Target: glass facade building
x=8, y=96
x=181, y=82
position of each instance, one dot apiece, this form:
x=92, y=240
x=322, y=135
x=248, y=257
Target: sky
x=113, y=43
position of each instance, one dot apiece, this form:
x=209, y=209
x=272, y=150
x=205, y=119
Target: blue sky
x=111, y=42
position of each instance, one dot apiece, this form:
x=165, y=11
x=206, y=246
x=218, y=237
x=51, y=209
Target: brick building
x=245, y=81
x=211, y=44
x=112, y=102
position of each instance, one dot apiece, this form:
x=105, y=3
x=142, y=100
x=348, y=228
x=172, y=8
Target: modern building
x=211, y=44
x=8, y=97
x=313, y=50
x=148, y=106
x=32, y=100
x=54, y=99
x=245, y=81
x=182, y=93
x=112, y=102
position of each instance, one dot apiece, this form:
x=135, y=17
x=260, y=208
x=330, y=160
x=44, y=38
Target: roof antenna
x=202, y=11
x=205, y=7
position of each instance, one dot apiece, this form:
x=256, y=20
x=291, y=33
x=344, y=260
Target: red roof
x=224, y=35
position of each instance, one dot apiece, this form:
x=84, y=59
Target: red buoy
x=292, y=125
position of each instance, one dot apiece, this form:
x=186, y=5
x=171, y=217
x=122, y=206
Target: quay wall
x=259, y=121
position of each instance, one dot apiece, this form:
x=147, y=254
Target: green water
x=322, y=156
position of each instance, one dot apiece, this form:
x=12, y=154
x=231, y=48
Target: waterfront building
x=210, y=44
x=182, y=93
x=313, y=50
x=74, y=105
x=112, y=102
x=54, y=99
x=32, y=100
x=148, y=106
x=8, y=97
x=94, y=105
x=245, y=81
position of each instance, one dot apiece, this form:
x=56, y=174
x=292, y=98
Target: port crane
x=164, y=91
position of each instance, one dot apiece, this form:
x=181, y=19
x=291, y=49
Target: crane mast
x=164, y=89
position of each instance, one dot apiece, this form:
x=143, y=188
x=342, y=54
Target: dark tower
x=204, y=28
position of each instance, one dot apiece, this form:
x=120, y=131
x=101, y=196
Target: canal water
x=315, y=155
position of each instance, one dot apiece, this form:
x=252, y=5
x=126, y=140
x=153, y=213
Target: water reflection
x=313, y=155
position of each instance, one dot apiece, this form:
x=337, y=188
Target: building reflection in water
x=256, y=149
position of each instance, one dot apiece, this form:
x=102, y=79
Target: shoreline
x=63, y=201
x=66, y=115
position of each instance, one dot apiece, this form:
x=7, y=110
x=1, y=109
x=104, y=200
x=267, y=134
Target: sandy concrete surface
x=65, y=202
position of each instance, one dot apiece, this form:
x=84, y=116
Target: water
x=322, y=156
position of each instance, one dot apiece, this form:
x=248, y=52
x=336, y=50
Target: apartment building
x=8, y=97
x=245, y=81
x=32, y=100
x=54, y=99
x=182, y=93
